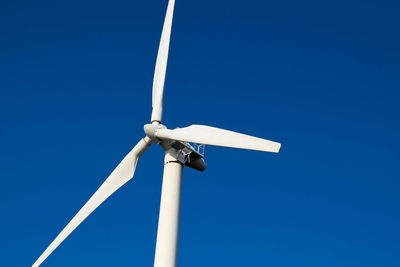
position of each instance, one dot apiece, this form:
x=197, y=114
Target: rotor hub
x=151, y=129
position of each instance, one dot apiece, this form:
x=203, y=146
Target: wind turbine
x=178, y=153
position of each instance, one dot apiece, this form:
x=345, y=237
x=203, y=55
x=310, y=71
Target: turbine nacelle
x=189, y=155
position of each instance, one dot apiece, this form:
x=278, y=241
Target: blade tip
x=278, y=148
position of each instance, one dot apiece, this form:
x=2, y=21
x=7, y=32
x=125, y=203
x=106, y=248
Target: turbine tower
x=182, y=146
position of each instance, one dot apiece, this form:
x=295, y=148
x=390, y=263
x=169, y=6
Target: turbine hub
x=151, y=130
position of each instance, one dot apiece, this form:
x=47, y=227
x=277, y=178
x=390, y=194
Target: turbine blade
x=122, y=174
x=161, y=65
x=218, y=137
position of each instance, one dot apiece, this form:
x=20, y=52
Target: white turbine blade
x=161, y=65
x=207, y=135
x=122, y=174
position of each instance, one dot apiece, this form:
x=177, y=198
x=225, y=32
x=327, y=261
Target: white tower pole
x=168, y=221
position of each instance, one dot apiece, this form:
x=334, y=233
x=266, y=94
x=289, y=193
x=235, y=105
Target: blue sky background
x=320, y=77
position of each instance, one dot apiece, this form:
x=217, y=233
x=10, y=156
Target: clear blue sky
x=320, y=77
